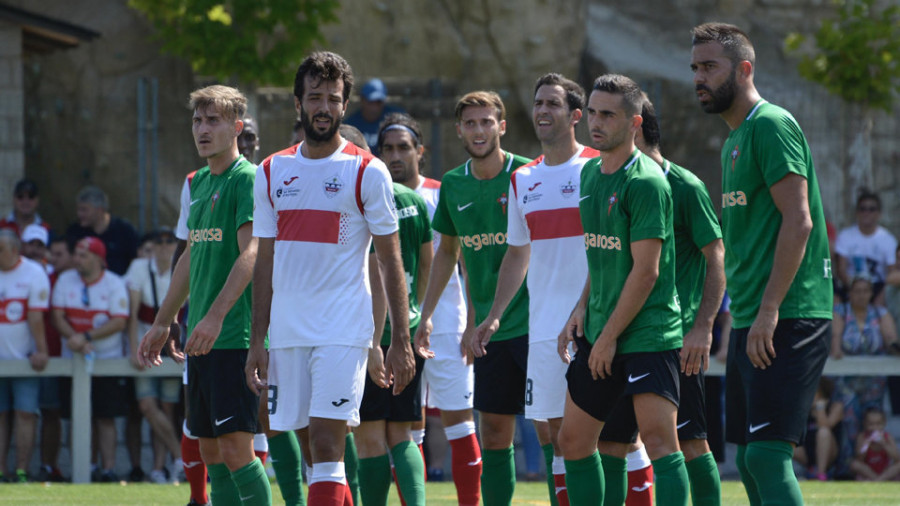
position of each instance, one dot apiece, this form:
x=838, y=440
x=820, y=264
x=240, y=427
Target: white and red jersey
x=544, y=213
x=322, y=213
x=88, y=307
x=23, y=288
x=450, y=312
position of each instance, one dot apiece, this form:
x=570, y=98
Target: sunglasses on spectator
x=26, y=195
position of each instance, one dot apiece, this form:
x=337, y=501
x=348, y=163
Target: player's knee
x=573, y=443
x=693, y=448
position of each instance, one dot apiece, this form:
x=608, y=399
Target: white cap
x=35, y=231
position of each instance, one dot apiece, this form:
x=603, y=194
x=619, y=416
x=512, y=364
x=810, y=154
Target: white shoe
x=158, y=476
x=177, y=470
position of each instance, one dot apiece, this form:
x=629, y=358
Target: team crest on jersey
x=568, y=189
x=215, y=198
x=735, y=153
x=333, y=186
x=503, y=201
x=612, y=201
x=44, y=295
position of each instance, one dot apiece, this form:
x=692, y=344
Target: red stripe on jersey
x=309, y=225
x=358, y=190
x=533, y=163
x=589, y=152
x=554, y=223
x=515, y=187
x=82, y=319
x=431, y=183
x=4, y=304
x=267, y=167
x=190, y=178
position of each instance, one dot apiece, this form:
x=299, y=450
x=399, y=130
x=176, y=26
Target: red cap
x=93, y=245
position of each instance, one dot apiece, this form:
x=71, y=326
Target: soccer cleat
x=195, y=503
x=136, y=474
x=108, y=476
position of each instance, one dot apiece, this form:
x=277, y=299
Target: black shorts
x=381, y=403
x=500, y=377
x=109, y=396
x=692, y=406
x=221, y=402
x=774, y=403
x=610, y=400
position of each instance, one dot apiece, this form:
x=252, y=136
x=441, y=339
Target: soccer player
x=448, y=378
x=317, y=206
x=627, y=324
x=777, y=264
x=472, y=214
x=544, y=225
x=386, y=419
x=700, y=283
x=216, y=269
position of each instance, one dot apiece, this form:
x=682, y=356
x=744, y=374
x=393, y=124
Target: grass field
x=441, y=494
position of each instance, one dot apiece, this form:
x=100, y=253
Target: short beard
x=492, y=147
x=312, y=134
x=721, y=98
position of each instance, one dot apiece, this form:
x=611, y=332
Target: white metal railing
x=81, y=387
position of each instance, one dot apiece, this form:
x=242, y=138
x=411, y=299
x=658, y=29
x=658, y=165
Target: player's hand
x=601, y=357
x=482, y=335
x=172, y=347
x=256, y=370
x=375, y=365
x=760, y=349
x=78, y=343
x=152, y=344
x=695, y=351
x=135, y=361
x=422, y=341
x=722, y=354
x=400, y=364
x=572, y=329
x=38, y=360
x=836, y=352
x=465, y=345
x=204, y=336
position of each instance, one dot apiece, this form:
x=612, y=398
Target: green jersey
x=766, y=147
x=474, y=211
x=695, y=225
x=415, y=230
x=632, y=204
x=219, y=206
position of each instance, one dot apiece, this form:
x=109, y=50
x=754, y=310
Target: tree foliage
x=857, y=54
x=255, y=41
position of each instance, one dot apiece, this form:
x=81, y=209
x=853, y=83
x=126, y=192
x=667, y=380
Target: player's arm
x=638, y=285
x=695, y=349
x=512, y=273
x=426, y=258
x=40, y=355
x=888, y=332
x=574, y=327
x=375, y=364
x=155, y=338
x=724, y=319
x=207, y=329
x=790, y=197
x=400, y=363
x=256, y=369
x=58, y=319
x=442, y=267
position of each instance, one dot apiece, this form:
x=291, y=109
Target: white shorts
x=321, y=381
x=545, y=386
x=447, y=378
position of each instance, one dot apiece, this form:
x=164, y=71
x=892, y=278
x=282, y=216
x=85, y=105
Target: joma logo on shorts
x=206, y=235
x=478, y=241
x=602, y=241
x=731, y=199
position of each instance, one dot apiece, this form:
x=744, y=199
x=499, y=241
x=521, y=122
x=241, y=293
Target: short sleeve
x=265, y=220
x=377, y=196
x=517, y=233
x=704, y=224
x=57, y=297
x=779, y=147
x=649, y=205
x=133, y=276
x=39, y=293
x=181, y=228
x=424, y=222
x=441, y=222
x=243, y=209
x=118, y=300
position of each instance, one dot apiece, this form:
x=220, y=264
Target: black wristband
x=87, y=335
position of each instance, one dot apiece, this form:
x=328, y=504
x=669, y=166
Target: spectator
x=148, y=281
x=867, y=247
x=35, y=240
x=51, y=407
x=90, y=310
x=877, y=457
x=24, y=295
x=248, y=140
x=823, y=432
x=861, y=328
x=94, y=219
x=25, y=204
x=372, y=111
